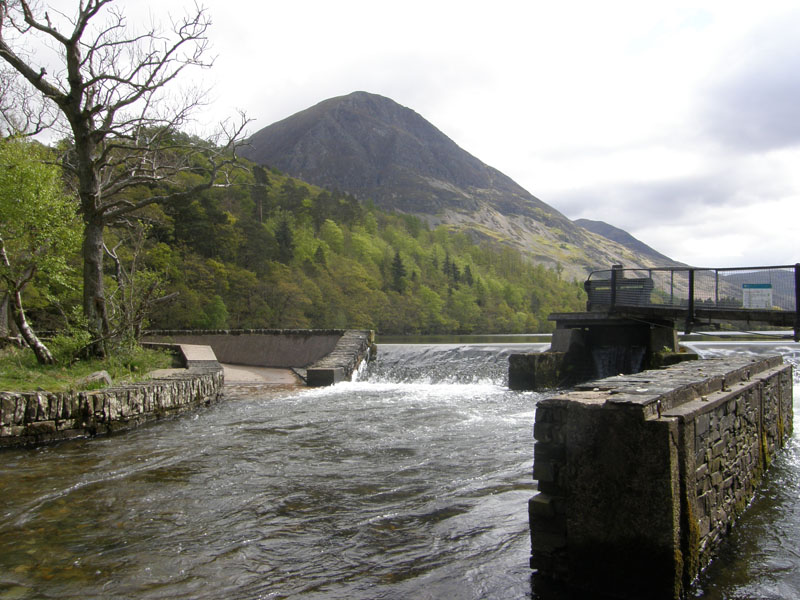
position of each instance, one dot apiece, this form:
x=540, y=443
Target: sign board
x=757, y=295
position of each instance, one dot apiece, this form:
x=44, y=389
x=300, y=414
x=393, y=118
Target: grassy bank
x=20, y=372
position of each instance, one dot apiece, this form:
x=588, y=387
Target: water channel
x=411, y=482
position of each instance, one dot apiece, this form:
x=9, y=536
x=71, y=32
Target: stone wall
x=32, y=418
x=640, y=476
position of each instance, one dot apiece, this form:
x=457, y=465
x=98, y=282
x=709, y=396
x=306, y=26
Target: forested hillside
x=371, y=146
x=272, y=251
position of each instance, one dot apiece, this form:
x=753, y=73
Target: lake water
x=411, y=482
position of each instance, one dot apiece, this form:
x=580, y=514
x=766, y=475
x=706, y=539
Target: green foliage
x=71, y=342
x=285, y=254
x=276, y=252
x=38, y=223
x=398, y=273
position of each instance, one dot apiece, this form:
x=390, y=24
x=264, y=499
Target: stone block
x=701, y=424
x=8, y=406
x=718, y=452
x=536, y=371
x=542, y=505
x=324, y=376
x=68, y=424
x=544, y=470
x=704, y=526
x=564, y=339
x=718, y=449
x=41, y=428
x=547, y=541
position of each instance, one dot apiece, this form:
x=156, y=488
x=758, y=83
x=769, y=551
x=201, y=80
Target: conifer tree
x=398, y=273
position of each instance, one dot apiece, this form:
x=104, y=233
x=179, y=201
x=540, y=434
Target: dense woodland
x=156, y=228
x=271, y=251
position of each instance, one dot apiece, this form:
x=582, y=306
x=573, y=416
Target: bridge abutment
x=641, y=476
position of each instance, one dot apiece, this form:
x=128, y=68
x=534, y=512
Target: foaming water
x=410, y=482
x=386, y=487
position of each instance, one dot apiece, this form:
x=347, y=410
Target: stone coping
x=660, y=390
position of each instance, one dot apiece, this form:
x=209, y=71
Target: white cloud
x=677, y=121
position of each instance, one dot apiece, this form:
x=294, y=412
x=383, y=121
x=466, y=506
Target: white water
x=411, y=482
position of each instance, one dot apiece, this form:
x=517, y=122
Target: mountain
x=372, y=147
x=626, y=239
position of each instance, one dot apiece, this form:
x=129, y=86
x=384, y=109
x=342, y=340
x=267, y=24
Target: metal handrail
x=769, y=289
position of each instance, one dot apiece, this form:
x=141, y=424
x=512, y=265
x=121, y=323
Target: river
x=411, y=482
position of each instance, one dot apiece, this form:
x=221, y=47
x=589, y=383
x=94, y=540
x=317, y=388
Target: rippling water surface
x=760, y=560
x=410, y=483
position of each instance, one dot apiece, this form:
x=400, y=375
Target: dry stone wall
x=641, y=476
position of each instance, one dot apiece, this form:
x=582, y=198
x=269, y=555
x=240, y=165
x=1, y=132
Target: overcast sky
x=677, y=121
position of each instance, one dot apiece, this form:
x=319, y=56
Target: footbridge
x=633, y=315
x=743, y=296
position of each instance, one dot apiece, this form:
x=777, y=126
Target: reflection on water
x=410, y=483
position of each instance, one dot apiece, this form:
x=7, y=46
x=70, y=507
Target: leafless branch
x=21, y=110
x=115, y=92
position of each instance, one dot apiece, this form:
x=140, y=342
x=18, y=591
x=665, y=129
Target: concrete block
x=544, y=470
x=318, y=377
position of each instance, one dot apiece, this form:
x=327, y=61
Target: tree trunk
x=41, y=351
x=4, y=316
x=94, y=300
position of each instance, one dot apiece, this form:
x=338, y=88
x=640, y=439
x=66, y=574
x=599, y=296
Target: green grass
x=19, y=371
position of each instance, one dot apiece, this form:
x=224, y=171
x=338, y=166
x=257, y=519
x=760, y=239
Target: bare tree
x=115, y=91
x=22, y=114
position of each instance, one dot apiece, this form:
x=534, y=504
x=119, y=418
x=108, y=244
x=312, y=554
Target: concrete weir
x=640, y=476
x=319, y=356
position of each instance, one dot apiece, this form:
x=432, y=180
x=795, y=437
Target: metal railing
x=753, y=293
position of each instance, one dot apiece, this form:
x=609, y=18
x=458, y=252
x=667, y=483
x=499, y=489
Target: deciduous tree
x=115, y=92
x=38, y=229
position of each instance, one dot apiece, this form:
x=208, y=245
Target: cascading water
x=613, y=360
x=445, y=363
x=410, y=482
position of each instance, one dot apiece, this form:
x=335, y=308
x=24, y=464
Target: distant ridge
x=626, y=239
x=374, y=148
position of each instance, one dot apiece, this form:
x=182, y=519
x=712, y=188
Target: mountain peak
x=374, y=148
